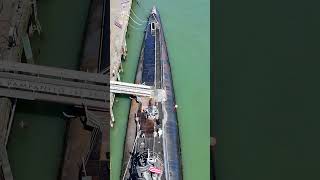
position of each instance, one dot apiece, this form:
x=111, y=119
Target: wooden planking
x=20, y=94
x=52, y=71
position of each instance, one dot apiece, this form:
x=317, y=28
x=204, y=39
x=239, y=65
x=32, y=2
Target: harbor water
x=187, y=31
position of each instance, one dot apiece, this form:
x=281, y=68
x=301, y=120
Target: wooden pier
x=14, y=17
x=88, y=145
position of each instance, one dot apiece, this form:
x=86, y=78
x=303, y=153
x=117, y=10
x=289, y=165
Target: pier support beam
x=5, y=108
x=5, y=165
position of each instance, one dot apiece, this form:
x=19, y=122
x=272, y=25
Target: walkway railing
x=130, y=89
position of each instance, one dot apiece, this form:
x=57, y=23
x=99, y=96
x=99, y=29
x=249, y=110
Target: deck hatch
x=153, y=28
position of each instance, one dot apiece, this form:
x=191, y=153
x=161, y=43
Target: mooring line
x=140, y=5
x=137, y=16
x=140, y=29
x=133, y=20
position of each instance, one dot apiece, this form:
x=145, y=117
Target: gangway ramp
x=118, y=87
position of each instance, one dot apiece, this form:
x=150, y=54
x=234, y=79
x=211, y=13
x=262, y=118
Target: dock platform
x=119, y=20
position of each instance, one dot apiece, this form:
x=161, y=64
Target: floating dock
x=87, y=143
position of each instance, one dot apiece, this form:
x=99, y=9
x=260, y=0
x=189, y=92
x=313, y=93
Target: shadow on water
x=41, y=108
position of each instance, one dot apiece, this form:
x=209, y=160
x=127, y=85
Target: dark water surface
x=266, y=62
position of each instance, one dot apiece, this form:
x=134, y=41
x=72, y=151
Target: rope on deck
x=129, y=161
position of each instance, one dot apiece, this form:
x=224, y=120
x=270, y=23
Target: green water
x=187, y=30
x=35, y=152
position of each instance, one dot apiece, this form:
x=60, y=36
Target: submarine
x=152, y=145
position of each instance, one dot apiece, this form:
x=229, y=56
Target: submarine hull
x=152, y=131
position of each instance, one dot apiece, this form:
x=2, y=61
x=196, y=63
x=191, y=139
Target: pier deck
x=119, y=19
